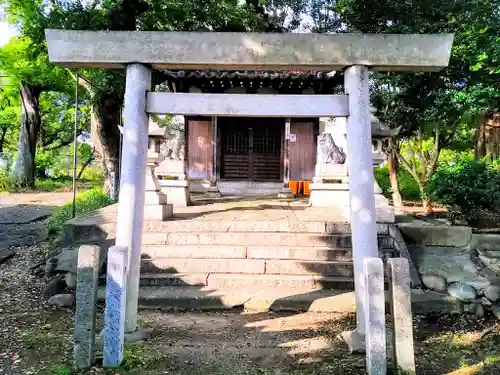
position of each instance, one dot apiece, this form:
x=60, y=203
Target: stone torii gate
x=139, y=52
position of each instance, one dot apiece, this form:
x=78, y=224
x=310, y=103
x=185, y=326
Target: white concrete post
x=361, y=180
x=133, y=182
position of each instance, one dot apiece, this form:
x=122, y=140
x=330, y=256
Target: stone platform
x=239, y=245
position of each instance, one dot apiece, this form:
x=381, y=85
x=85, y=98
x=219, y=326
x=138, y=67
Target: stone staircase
x=260, y=255
x=252, y=255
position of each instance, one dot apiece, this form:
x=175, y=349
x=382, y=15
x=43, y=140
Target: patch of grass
x=58, y=369
x=138, y=360
x=86, y=202
x=39, y=336
x=53, y=184
x=93, y=175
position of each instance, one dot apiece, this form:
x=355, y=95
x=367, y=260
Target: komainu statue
x=328, y=151
x=173, y=148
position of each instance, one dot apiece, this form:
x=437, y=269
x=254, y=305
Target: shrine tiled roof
x=252, y=75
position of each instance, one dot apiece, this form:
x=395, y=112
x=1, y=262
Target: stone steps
x=234, y=281
x=276, y=299
x=248, y=266
x=284, y=239
x=104, y=228
x=250, y=252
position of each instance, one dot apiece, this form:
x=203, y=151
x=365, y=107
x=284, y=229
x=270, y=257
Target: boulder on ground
x=53, y=287
x=492, y=293
x=434, y=282
x=496, y=311
x=479, y=311
x=6, y=254
x=62, y=300
x=451, y=263
x=70, y=280
x=462, y=291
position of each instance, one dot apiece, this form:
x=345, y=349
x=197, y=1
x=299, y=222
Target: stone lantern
x=380, y=133
x=155, y=201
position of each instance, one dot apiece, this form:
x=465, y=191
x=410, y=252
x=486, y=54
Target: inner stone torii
x=139, y=52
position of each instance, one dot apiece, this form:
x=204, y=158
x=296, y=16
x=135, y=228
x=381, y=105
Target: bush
x=5, y=182
x=86, y=202
x=93, y=174
x=467, y=187
x=407, y=185
x=53, y=184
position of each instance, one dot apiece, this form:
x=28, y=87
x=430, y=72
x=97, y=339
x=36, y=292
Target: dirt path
x=22, y=216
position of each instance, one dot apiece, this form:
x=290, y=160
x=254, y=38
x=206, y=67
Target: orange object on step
x=306, y=188
x=294, y=187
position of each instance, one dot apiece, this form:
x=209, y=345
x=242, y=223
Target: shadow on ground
x=22, y=224
x=239, y=342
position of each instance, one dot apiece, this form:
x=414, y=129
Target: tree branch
x=86, y=164
x=407, y=165
x=84, y=82
x=63, y=143
x=435, y=155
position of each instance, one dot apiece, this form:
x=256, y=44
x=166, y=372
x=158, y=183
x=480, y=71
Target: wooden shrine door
x=251, y=148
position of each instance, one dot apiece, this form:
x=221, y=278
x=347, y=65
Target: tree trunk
x=479, y=146
x=86, y=164
x=488, y=143
x=107, y=114
x=392, y=165
x=3, y=133
x=426, y=202
x=23, y=172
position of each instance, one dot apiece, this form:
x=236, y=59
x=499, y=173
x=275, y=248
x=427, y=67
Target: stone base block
x=213, y=192
x=198, y=186
x=158, y=212
x=337, y=196
x=155, y=198
x=286, y=192
x=329, y=195
x=176, y=191
x=249, y=188
x=170, y=167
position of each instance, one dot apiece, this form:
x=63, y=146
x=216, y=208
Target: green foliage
x=94, y=175
x=86, y=202
x=53, y=184
x=58, y=118
x=27, y=62
x=467, y=187
x=407, y=185
x=59, y=161
x=5, y=181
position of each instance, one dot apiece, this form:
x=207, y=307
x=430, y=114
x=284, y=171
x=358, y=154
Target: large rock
x=62, y=300
x=479, y=311
x=53, y=287
x=436, y=234
x=67, y=259
x=496, y=311
x=462, y=291
x=70, y=280
x=453, y=264
x=486, y=302
x=491, y=260
x=6, y=254
x=485, y=241
x=434, y=282
x=492, y=293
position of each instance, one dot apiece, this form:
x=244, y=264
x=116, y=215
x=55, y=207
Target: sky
x=6, y=33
